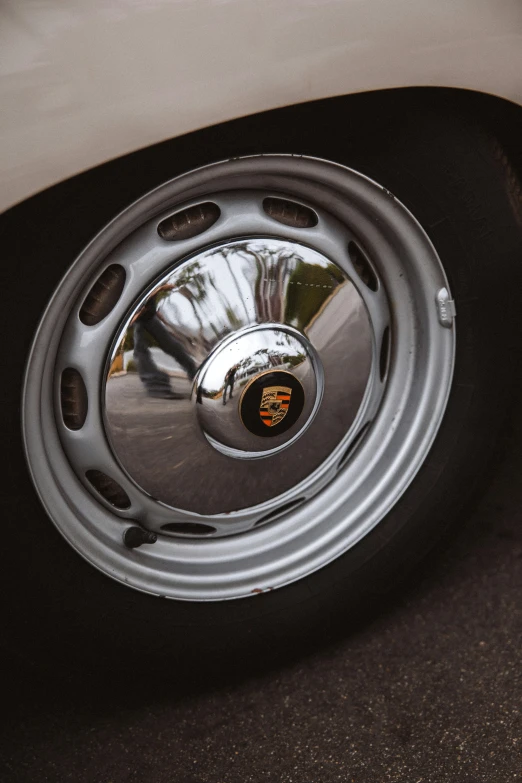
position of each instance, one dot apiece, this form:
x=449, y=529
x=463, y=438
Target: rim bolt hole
x=103, y=295
x=385, y=354
x=108, y=489
x=73, y=399
x=362, y=267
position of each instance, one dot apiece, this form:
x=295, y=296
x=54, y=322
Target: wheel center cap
x=262, y=384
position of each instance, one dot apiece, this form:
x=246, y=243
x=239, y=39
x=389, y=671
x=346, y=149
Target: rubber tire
x=457, y=182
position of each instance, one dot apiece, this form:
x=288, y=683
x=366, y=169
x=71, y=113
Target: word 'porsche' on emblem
x=275, y=401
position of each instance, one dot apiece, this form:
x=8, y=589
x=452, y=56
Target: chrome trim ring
x=234, y=546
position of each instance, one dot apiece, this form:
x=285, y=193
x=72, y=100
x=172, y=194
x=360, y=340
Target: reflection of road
x=184, y=469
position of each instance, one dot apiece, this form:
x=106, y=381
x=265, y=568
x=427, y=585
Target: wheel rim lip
x=152, y=571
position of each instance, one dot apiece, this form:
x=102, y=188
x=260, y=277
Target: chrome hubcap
x=249, y=363
x=230, y=357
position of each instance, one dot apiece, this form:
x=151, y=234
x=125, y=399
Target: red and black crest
x=275, y=401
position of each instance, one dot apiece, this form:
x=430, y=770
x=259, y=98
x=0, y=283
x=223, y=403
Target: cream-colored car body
x=84, y=81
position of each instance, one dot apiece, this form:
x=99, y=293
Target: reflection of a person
x=230, y=379
x=156, y=382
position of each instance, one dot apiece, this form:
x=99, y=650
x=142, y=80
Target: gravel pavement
x=430, y=691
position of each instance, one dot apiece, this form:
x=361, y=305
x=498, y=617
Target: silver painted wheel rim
x=365, y=472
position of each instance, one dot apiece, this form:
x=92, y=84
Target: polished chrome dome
x=235, y=354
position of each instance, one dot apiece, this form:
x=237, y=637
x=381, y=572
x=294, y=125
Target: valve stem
x=136, y=536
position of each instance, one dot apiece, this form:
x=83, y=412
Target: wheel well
x=302, y=129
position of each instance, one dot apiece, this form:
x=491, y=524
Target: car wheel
x=261, y=393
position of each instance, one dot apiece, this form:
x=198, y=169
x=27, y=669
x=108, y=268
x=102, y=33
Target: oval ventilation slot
x=189, y=528
x=279, y=511
x=385, y=353
x=289, y=213
x=73, y=399
x=362, y=266
x=108, y=489
x=353, y=446
x=103, y=295
x=189, y=222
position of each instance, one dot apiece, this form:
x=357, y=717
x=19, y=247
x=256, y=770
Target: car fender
x=87, y=81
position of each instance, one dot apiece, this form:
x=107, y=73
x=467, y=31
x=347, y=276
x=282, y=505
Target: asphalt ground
x=429, y=691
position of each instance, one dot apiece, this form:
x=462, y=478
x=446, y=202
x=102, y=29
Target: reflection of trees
x=190, y=282
x=218, y=287
x=267, y=358
x=225, y=252
x=287, y=288
x=271, y=276
x=319, y=283
x=195, y=284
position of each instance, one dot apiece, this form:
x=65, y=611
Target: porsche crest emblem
x=275, y=402
x=271, y=403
